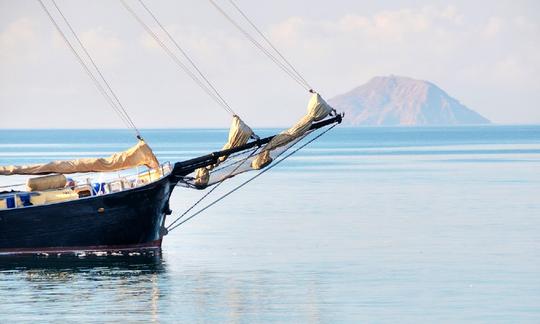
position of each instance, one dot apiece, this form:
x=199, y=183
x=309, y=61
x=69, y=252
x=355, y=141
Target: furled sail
x=239, y=134
x=138, y=155
x=258, y=157
x=317, y=110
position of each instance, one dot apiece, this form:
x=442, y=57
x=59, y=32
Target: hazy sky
x=484, y=53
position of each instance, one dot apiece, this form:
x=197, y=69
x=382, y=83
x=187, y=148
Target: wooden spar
x=186, y=167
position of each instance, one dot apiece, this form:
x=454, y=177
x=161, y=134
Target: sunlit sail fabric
x=317, y=110
x=239, y=134
x=138, y=155
x=246, y=161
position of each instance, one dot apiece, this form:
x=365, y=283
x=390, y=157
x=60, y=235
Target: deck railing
x=83, y=186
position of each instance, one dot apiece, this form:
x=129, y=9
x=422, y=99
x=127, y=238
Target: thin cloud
x=18, y=40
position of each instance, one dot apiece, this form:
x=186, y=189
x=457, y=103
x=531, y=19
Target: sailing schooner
x=58, y=214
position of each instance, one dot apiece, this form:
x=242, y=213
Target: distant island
x=396, y=100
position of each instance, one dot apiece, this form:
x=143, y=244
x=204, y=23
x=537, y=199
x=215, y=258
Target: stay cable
x=122, y=113
x=251, y=179
x=283, y=66
x=207, y=89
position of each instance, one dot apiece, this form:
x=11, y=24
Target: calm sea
x=396, y=225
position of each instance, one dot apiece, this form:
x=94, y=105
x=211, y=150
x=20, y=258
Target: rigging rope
x=169, y=228
x=213, y=188
x=270, y=43
x=120, y=106
x=206, y=86
x=286, y=67
x=184, y=53
x=120, y=110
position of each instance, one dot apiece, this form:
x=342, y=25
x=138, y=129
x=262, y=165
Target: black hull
x=127, y=220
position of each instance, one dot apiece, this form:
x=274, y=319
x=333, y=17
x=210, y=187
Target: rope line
x=124, y=118
x=120, y=106
x=213, y=188
x=207, y=88
x=186, y=56
x=270, y=43
x=251, y=179
x=280, y=64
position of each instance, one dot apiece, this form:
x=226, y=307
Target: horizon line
x=266, y=127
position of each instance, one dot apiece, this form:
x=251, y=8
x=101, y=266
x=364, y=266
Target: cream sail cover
x=317, y=110
x=239, y=134
x=138, y=155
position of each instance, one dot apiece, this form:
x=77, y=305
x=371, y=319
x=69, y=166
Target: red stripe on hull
x=71, y=249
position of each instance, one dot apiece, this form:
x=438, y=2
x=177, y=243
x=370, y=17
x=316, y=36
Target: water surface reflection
x=62, y=286
x=73, y=263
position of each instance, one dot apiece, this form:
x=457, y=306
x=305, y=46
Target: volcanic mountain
x=395, y=100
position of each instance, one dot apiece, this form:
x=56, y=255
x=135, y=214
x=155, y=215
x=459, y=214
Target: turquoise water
x=396, y=225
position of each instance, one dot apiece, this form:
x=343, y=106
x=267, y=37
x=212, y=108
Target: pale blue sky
x=484, y=53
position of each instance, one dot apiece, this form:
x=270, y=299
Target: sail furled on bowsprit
x=318, y=109
x=239, y=134
x=260, y=156
x=138, y=155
